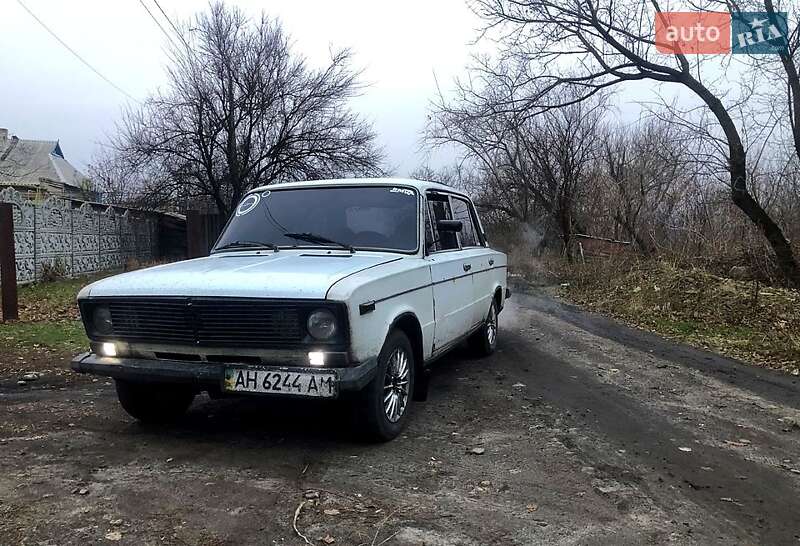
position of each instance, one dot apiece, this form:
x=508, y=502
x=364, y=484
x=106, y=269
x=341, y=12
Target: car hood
x=284, y=274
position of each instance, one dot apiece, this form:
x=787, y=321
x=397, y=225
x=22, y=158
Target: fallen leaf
x=477, y=451
x=686, y=449
x=328, y=539
x=532, y=507
x=114, y=536
x=737, y=443
x=331, y=512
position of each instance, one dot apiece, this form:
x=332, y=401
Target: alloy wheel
x=395, y=385
x=491, y=326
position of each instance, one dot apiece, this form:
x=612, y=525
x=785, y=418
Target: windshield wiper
x=314, y=238
x=244, y=245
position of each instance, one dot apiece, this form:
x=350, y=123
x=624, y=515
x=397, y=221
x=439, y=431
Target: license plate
x=303, y=383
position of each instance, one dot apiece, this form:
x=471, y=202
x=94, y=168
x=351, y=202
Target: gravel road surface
x=577, y=431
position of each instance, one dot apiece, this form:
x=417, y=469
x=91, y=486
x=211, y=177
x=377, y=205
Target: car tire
x=484, y=341
x=384, y=404
x=154, y=403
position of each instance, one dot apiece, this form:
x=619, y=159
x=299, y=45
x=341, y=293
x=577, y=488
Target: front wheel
x=154, y=402
x=385, y=402
x=484, y=341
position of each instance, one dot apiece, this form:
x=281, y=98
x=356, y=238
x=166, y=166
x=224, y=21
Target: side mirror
x=450, y=226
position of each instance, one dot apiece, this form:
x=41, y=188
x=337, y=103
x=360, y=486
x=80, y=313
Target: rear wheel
x=484, y=341
x=385, y=402
x=154, y=402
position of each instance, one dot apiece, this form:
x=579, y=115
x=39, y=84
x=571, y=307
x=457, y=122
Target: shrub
x=53, y=271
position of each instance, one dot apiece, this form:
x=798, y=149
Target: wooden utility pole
x=8, y=263
x=195, y=240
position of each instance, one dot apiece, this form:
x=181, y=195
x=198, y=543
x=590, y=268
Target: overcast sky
x=45, y=93
x=403, y=48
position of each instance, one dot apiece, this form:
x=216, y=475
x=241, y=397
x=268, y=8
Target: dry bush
x=743, y=319
x=53, y=271
x=131, y=264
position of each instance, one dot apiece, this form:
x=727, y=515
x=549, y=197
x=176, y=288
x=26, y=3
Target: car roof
x=420, y=185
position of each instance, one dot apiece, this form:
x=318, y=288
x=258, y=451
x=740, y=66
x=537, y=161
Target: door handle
x=467, y=267
x=491, y=262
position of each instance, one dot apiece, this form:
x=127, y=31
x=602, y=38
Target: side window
x=430, y=234
x=469, y=233
x=439, y=208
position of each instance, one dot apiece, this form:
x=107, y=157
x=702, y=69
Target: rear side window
x=439, y=208
x=469, y=232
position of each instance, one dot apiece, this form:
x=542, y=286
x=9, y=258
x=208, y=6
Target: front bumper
x=201, y=374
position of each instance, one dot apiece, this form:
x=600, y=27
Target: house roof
x=27, y=162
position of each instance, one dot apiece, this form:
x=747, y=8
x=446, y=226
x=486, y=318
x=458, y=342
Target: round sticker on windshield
x=248, y=203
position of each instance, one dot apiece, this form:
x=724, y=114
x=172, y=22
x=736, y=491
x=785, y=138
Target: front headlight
x=321, y=324
x=101, y=318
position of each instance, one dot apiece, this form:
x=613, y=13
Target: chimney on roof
x=3, y=136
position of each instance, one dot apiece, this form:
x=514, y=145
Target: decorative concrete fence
x=77, y=238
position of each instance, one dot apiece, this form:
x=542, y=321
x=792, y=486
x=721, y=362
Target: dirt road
x=577, y=431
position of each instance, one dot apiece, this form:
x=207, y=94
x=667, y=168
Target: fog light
x=316, y=358
x=108, y=349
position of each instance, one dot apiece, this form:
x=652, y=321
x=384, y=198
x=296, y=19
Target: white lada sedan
x=327, y=289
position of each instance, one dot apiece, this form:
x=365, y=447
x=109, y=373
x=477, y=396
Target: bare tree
x=646, y=169
x=611, y=42
x=120, y=178
x=532, y=168
x=242, y=110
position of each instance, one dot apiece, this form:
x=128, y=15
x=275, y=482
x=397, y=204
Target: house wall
x=79, y=238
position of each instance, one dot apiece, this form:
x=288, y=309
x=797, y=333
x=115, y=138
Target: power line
x=150, y=13
x=75, y=53
x=177, y=32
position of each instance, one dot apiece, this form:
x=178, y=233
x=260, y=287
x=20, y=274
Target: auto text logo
x=722, y=33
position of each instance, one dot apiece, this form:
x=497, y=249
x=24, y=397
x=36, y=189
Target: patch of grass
x=49, y=317
x=52, y=301
x=741, y=319
x=678, y=327
x=63, y=335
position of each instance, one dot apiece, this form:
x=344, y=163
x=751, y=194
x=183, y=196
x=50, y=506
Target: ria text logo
x=721, y=33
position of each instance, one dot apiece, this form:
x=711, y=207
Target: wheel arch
x=409, y=324
x=499, y=300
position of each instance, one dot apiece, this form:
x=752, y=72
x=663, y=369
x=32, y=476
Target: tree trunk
x=740, y=195
x=641, y=243
x=784, y=254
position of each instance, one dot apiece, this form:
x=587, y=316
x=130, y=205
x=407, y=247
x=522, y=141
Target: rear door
x=477, y=255
x=453, y=295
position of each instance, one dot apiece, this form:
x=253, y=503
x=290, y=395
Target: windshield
x=371, y=217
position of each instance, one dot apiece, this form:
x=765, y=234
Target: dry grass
x=741, y=319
